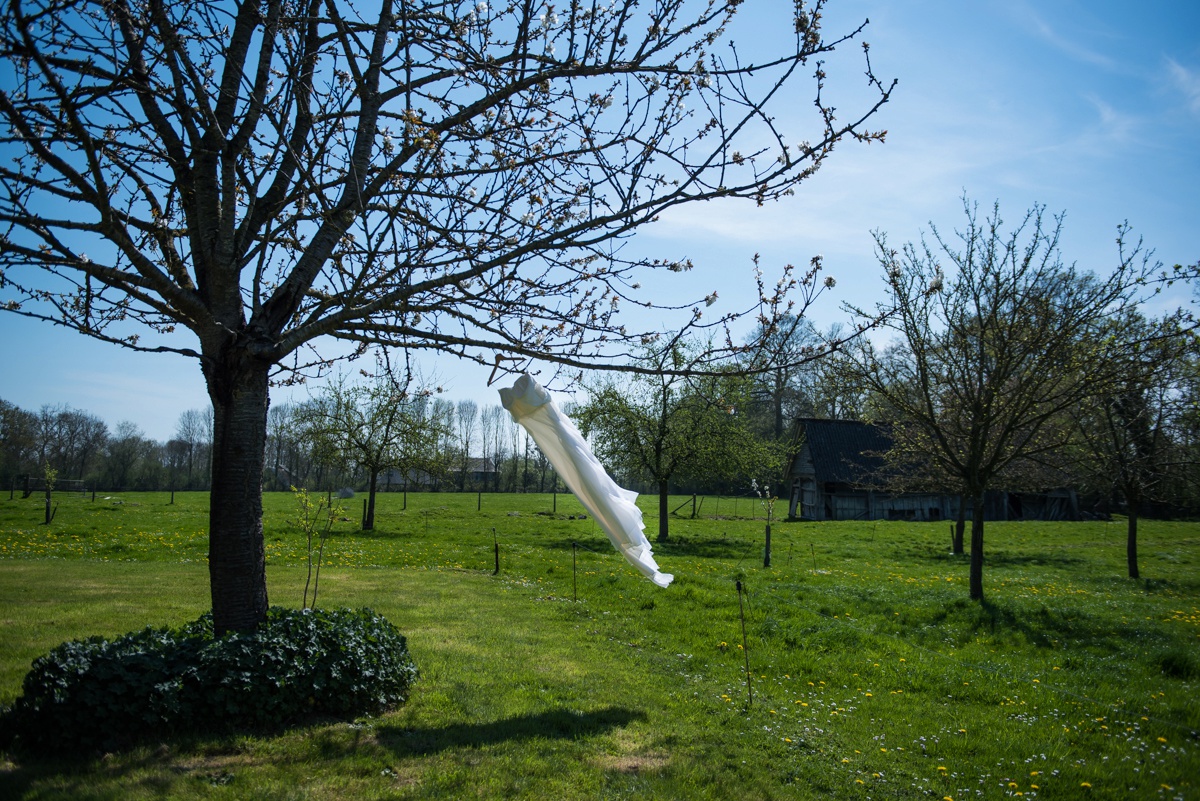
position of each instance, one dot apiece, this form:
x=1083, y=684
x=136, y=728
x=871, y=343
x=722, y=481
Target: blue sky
x=1091, y=108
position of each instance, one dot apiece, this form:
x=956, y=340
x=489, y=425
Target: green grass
x=872, y=674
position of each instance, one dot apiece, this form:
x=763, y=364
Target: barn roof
x=845, y=451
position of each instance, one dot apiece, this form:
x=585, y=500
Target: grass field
x=569, y=676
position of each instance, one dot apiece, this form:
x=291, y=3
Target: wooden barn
x=838, y=475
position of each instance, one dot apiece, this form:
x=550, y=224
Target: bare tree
x=994, y=352
x=663, y=426
x=69, y=440
x=241, y=182
x=194, y=428
x=376, y=426
x=492, y=425
x=1126, y=425
x=786, y=381
x=466, y=416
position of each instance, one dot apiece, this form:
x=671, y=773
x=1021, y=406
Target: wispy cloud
x=1186, y=81
x=1036, y=24
x=1112, y=127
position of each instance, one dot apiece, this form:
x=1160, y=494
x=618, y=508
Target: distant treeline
x=477, y=449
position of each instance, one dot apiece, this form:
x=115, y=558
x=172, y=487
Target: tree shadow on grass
x=561, y=724
x=1064, y=629
x=1047, y=558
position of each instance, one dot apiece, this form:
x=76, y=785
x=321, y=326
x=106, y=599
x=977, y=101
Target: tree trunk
x=236, y=552
x=369, y=517
x=1131, y=541
x=662, y=511
x=977, y=549
x=960, y=527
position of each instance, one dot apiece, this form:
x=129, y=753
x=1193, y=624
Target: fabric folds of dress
x=557, y=437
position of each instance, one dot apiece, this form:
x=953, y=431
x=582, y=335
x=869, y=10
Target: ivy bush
x=105, y=694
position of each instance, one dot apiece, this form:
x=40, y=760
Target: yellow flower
x=1087, y=785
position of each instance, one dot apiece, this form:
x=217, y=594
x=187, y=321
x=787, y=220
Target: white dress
x=558, y=438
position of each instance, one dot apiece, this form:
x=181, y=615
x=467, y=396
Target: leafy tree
x=242, y=182
x=17, y=441
x=663, y=426
x=124, y=449
x=994, y=353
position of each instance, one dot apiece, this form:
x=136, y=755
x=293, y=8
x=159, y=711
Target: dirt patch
x=634, y=763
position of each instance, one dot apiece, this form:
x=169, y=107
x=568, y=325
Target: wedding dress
x=557, y=437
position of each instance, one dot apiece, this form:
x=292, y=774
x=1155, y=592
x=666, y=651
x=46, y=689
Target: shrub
x=97, y=693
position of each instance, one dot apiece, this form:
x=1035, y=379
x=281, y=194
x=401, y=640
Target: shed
x=839, y=473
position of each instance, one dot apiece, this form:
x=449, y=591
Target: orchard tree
x=374, y=426
x=1126, y=425
x=266, y=186
x=786, y=372
x=661, y=426
x=998, y=340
